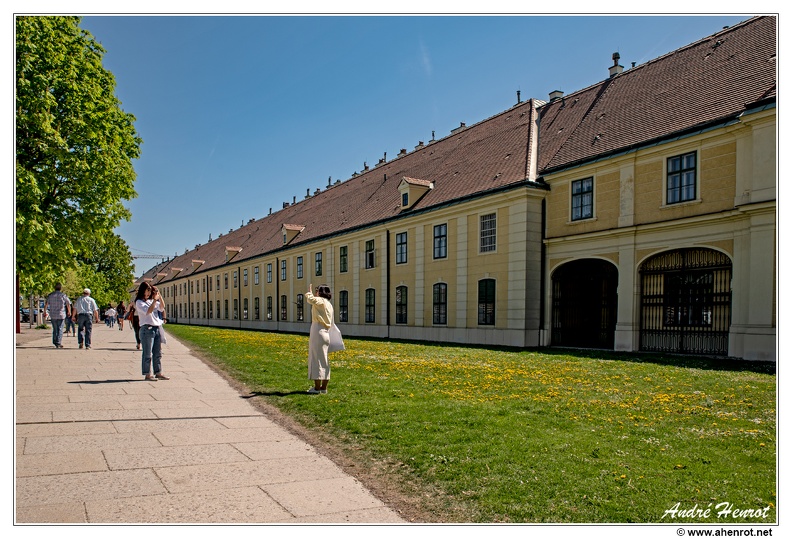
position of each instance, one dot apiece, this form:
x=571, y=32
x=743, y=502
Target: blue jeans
x=152, y=348
x=84, y=322
x=69, y=325
x=57, y=331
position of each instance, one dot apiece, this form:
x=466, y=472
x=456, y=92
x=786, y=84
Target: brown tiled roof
x=713, y=79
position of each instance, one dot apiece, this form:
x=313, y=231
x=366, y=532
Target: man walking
x=59, y=308
x=85, y=313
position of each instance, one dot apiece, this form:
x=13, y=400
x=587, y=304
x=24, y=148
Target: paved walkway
x=95, y=443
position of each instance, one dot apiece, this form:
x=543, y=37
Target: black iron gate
x=686, y=302
x=585, y=304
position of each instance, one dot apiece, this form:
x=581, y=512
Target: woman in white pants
x=321, y=320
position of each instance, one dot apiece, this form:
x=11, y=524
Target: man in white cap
x=85, y=313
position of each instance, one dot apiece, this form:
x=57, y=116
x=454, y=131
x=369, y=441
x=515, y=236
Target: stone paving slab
x=96, y=444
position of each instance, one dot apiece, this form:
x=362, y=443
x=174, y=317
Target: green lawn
x=532, y=436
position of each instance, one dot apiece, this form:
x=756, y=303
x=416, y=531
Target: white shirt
x=142, y=307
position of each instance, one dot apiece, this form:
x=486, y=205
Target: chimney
x=461, y=127
x=615, y=69
x=403, y=151
x=556, y=95
x=308, y=193
x=329, y=181
x=518, y=97
x=420, y=145
x=365, y=166
x=294, y=200
x=317, y=191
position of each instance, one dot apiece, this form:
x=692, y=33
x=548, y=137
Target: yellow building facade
x=638, y=214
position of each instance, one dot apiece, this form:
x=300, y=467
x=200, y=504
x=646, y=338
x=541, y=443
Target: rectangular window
x=486, y=302
x=299, y=267
x=487, y=239
x=269, y=307
x=203, y=285
x=283, y=308
x=681, y=178
x=218, y=308
x=236, y=279
x=218, y=283
x=244, y=308
x=343, y=306
x=440, y=304
x=300, y=305
x=236, y=309
x=209, y=281
x=225, y=309
x=269, y=272
x=318, y=264
x=401, y=304
x=370, y=254
x=225, y=280
x=370, y=304
x=583, y=199
x=203, y=309
x=440, y=241
x=256, y=275
x=244, y=277
x=283, y=270
x=401, y=248
x=343, y=260
x=256, y=309
x=211, y=311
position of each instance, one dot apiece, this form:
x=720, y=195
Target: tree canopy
x=74, y=151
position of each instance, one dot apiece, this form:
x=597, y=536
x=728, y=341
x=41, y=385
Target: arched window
x=401, y=304
x=486, y=302
x=440, y=304
x=370, y=305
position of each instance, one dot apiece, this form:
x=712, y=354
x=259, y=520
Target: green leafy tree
x=108, y=258
x=74, y=149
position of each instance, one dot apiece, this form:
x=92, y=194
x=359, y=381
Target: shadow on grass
x=275, y=394
x=674, y=360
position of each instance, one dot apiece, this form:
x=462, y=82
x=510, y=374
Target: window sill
x=680, y=204
x=581, y=221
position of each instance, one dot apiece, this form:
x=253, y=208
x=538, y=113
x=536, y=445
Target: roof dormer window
x=290, y=232
x=412, y=190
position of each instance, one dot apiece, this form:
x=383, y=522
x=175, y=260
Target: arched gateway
x=585, y=304
x=686, y=302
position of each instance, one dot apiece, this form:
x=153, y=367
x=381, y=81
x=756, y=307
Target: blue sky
x=239, y=114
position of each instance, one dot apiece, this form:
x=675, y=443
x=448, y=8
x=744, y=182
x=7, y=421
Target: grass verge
x=532, y=436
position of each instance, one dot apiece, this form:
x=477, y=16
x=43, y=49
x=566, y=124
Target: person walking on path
x=110, y=316
x=319, y=340
x=121, y=310
x=69, y=325
x=134, y=319
x=147, y=303
x=59, y=308
x=85, y=313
